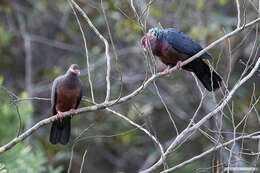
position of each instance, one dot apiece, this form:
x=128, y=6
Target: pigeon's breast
x=67, y=98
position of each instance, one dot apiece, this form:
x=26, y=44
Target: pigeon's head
x=153, y=35
x=154, y=32
x=74, y=68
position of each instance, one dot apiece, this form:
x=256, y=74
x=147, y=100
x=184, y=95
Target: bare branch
x=114, y=50
x=250, y=136
x=83, y=160
x=86, y=52
x=106, y=47
x=78, y=139
x=20, y=120
x=259, y=8
x=238, y=14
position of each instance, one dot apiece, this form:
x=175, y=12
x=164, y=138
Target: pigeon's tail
x=60, y=131
x=210, y=79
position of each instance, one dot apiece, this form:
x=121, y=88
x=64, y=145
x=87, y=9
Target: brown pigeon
x=172, y=47
x=65, y=96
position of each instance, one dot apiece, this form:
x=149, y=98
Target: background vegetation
x=40, y=39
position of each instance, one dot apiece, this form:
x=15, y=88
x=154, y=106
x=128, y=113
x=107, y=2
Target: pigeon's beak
x=77, y=71
x=143, y=42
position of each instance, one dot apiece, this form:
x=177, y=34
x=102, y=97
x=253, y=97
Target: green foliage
x=49, y=73
x=5, y=37
x=1, y=80
x=20, y=158
x=5, y=42
x=2, y=168
x=56, y=170
x=200, y=4
x=5, y=6
x=156, y=12
x=223, y=2
x=129, y=31
x=23, y=159
x=126, y=139
x=196, y=32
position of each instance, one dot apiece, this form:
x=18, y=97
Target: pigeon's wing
x=183, y=44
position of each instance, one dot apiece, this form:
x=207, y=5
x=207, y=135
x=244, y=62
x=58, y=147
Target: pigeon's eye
x=153, y=33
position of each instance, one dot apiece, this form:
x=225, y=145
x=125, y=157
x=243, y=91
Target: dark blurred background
x=40, y=39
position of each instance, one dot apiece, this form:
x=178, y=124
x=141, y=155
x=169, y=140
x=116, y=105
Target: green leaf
x=2, y=168
x=222, y=2
x=5, y=109
x=196, y=32
x=1, y=80
x=200, y=4
x=24, y=95
x=126, y=139
x=5, y=38
x=155, y=12
x=3, y=171
x=20, y=158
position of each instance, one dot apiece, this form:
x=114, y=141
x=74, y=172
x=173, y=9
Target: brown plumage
x=66, y=96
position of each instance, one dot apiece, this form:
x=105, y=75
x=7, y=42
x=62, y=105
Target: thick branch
x=250, y=136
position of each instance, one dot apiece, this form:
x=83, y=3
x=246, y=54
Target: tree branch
x=250, y=136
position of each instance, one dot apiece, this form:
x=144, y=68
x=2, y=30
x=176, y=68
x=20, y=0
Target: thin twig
x=106, y=48
x=86, y=52
x=78, y=139
x=238, y=14
x=114, y=50
x=20, y=120
x=166, y=108
x=83, y=160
